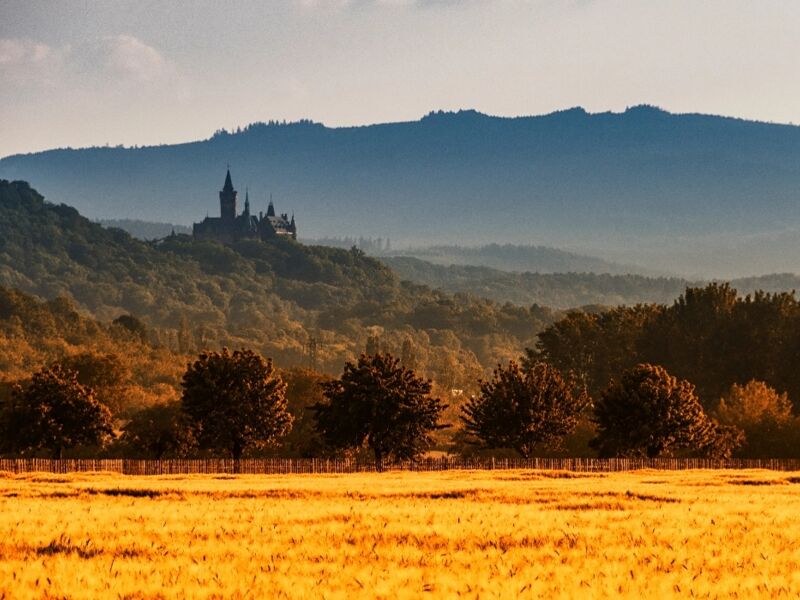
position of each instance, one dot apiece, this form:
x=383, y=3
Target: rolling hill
x=567, y=290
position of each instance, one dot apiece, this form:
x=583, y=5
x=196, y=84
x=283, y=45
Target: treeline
x=369, y=245
x=559, y=290
x=236, y=404
x=740, y=353
x=516, y=258
x=565, y=289
x=710, y=335
x=145, y=230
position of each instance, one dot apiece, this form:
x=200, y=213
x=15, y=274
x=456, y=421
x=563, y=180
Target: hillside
x=689, y=193
x=269, y=296
x=559, y=290
x=515, y=257
x=116, y=359
x=567, y=290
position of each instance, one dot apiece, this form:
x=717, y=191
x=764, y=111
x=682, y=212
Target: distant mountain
x=566, y=290
x=670, y=192
x=145, y=230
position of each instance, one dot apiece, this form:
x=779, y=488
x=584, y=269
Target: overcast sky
x=77, y=73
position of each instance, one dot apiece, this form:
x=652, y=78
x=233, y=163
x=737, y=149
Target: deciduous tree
x=235, y=401
x=525, y=408
x=765, y=416
x=158, y=431
x=648, y=412
x=379, y=404
x=105, y=374
x=54, y=412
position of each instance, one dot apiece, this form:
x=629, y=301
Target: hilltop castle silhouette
x=230, y=227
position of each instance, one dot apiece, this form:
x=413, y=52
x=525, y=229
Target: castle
x=230, y=227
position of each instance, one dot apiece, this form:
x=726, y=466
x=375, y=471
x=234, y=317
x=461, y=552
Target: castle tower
x=271, y=208
x=227, y=199
x=246, y=212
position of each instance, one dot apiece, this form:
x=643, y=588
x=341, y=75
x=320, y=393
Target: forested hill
x=517, y=257
x=559, y=290
x=268, y=296
x=567, y=290
x=638, y=185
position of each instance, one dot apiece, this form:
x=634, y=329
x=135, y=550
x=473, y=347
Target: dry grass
x=453, y=534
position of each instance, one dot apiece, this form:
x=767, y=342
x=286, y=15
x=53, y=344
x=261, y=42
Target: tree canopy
x=709, y=336
x=650, y=413
x=188, y=295
x=524, y=408
x=158, y=431
x=764, y=416
x=54, y=412
x=235, y=401
x=379, y=404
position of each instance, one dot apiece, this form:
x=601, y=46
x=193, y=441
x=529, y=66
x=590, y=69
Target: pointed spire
x=228, y=187
x=271, y=207
x=247, y=201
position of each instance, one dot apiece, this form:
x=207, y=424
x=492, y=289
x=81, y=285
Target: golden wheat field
x=488, y=534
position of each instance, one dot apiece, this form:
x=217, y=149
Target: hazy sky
x=76, y=73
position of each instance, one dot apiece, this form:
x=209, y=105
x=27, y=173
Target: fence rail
x=277, y=466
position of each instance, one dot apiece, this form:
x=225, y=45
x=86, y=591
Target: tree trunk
x=58, y=452
x=378, y=461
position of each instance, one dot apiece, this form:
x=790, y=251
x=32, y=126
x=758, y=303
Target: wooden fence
x=277, y=466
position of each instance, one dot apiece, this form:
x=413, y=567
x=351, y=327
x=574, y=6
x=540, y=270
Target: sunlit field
x=496, y=534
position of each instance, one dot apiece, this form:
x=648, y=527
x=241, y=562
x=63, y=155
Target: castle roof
x=228, y=187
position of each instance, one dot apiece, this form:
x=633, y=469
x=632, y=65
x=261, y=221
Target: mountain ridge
x=614, y=185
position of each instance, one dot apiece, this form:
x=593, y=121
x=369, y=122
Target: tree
x=158, y=431
x=408, y=357
x=524, y=408
x=753, y=403
x=379, y=404
x=722, y=442
x=132, y=326
x=303, y=392
x=765, y=417
x=54, y=412
x=650, y=413
x=104, y=374
x=235, y=401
